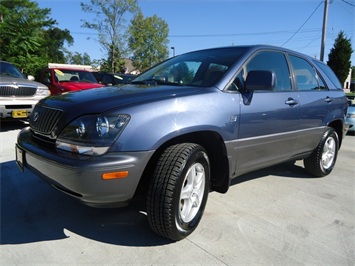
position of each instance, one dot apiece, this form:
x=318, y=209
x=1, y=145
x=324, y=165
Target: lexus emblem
x=35, y=117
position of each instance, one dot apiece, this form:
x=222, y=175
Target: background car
x=113, y=79
x=350, y=116
x=352, y=86
x=60, y=80
x=18, y=94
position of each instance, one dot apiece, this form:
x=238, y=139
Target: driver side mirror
x=30, y=77
x=46, y=81
x=260, y=80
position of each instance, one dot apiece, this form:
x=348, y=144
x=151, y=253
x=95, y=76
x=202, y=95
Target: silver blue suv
x=185, y=127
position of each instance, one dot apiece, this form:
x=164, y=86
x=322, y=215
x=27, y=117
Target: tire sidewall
x=333, y=135
x=197, y=156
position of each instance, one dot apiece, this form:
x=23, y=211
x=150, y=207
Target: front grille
x=43, y=141
x=44, y=119
x=18, y=90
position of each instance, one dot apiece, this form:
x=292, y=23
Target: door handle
x=291, y=102
x=328, y=99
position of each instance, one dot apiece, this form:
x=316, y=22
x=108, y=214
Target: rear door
x=317, y=104
x=269, y=119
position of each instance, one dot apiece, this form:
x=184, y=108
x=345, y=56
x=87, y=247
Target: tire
x=321, y=162
x=178, y=191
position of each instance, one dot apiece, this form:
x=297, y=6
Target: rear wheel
x=178, y=191
x=322, y=160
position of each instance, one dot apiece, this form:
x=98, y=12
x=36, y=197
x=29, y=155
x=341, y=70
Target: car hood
x=103, y=99
x=9, y=80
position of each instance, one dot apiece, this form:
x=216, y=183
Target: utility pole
x=325, y=19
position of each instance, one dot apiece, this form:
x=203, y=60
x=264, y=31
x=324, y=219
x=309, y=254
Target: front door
x=269, y=120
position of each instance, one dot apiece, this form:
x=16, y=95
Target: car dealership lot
x=279, y=215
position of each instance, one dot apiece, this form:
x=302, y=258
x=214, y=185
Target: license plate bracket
x=20, y=155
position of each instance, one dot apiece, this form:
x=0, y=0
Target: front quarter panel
x=153, y=123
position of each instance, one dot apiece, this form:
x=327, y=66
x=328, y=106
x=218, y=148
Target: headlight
x=91, y=134
x=349, y=115
x=43, y=91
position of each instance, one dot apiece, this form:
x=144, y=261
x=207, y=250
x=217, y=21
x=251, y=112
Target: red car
x=60, y=80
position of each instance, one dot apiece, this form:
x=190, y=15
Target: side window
x=330, y=74
x=107, y=79
x=322, y=85
x=46, y=77
x=270, y=61
x=305, y=75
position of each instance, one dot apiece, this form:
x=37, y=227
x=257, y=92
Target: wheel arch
x=338, y=126
x=216, y=151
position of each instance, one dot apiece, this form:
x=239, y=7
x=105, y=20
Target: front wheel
x=321, y=162
x=178, y=191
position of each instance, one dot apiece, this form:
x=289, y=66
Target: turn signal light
x=115, y=175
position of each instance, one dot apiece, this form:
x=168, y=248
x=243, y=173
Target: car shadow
x=33, y=211
x=9, y=125
x=287, y=170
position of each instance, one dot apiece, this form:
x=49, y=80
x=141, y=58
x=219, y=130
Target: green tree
x=78, y=58
x=115, y=58
x=148, y=40
x=339, y=57
x=54, y=44
x=20, y=33
x=25, y=35
x=110, y=24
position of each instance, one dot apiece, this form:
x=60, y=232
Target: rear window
x=330, y=74
x=306, y=76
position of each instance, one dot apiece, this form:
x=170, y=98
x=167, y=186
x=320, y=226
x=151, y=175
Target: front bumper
x=81, y=176
x=17, y=108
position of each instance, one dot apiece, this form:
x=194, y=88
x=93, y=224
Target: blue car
x=185, y=127
x=350, y=116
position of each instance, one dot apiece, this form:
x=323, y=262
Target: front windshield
x=69, y=75
x=201, y=68
x=8, y=69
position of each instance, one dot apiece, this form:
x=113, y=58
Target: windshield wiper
x=156, y=82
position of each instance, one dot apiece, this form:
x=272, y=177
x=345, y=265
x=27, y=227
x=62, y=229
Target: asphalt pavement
x=275, y=216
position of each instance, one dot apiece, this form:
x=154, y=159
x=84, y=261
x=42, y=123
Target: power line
x=217, y=35
x=348, y=3
x=83, y=33
x=303, y=24
x=236, y=34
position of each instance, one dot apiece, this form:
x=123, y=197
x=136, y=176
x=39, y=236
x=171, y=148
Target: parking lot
x=276, y=216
